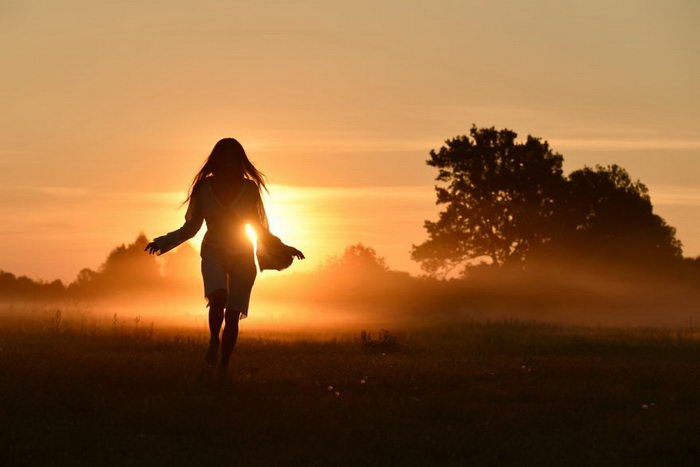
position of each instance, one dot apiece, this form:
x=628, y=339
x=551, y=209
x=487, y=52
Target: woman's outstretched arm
x=193, y=222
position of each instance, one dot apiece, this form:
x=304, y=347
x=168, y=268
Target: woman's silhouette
x=226, y=193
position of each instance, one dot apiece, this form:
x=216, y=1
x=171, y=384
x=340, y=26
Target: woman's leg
x=229, y=337
x=217, y=301
x=241, y=277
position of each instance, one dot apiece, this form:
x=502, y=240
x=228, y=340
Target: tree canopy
x=504, y=200
x=606, y=214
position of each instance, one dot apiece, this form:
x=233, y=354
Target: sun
x=250, y=232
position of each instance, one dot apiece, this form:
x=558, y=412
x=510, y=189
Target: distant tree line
x=127, y=269
x=360, y=280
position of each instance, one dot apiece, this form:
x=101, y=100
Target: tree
x=499, y=199
x=85, y=283
x=606, y=215
x=357, y=260
x=128, y=267
x=12, y=286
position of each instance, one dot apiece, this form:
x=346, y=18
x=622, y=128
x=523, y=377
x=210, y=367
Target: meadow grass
x=500, y=393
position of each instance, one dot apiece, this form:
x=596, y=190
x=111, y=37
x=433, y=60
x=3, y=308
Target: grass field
x=504, y=393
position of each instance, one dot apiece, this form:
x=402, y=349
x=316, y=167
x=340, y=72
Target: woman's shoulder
x=199, y=187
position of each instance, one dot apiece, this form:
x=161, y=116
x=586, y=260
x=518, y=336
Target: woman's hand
x=296, y=253
x=152, y=248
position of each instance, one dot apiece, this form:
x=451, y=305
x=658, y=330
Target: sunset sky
x=108, y=108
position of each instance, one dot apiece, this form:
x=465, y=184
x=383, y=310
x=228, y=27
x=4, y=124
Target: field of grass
x=507, y=393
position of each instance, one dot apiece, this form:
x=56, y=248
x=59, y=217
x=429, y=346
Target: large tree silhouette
x=499, y=199
x=508, y=201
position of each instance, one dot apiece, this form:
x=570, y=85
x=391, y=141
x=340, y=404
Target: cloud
x=675, y=195
x=62, y=191
x=51, y=191
x=612, y=144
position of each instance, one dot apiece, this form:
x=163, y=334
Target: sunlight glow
x=284, y=214
x=250, y=232
x=322, y=221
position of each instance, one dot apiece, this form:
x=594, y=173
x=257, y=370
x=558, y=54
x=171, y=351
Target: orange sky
x=108, y=109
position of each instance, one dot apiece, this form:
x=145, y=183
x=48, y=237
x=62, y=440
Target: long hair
x=231, y=149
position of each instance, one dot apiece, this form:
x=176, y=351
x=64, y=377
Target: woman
x=226, y=193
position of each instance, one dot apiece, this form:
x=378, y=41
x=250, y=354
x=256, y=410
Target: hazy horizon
x=394, y=209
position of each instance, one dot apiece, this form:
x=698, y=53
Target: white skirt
x=233, y=272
